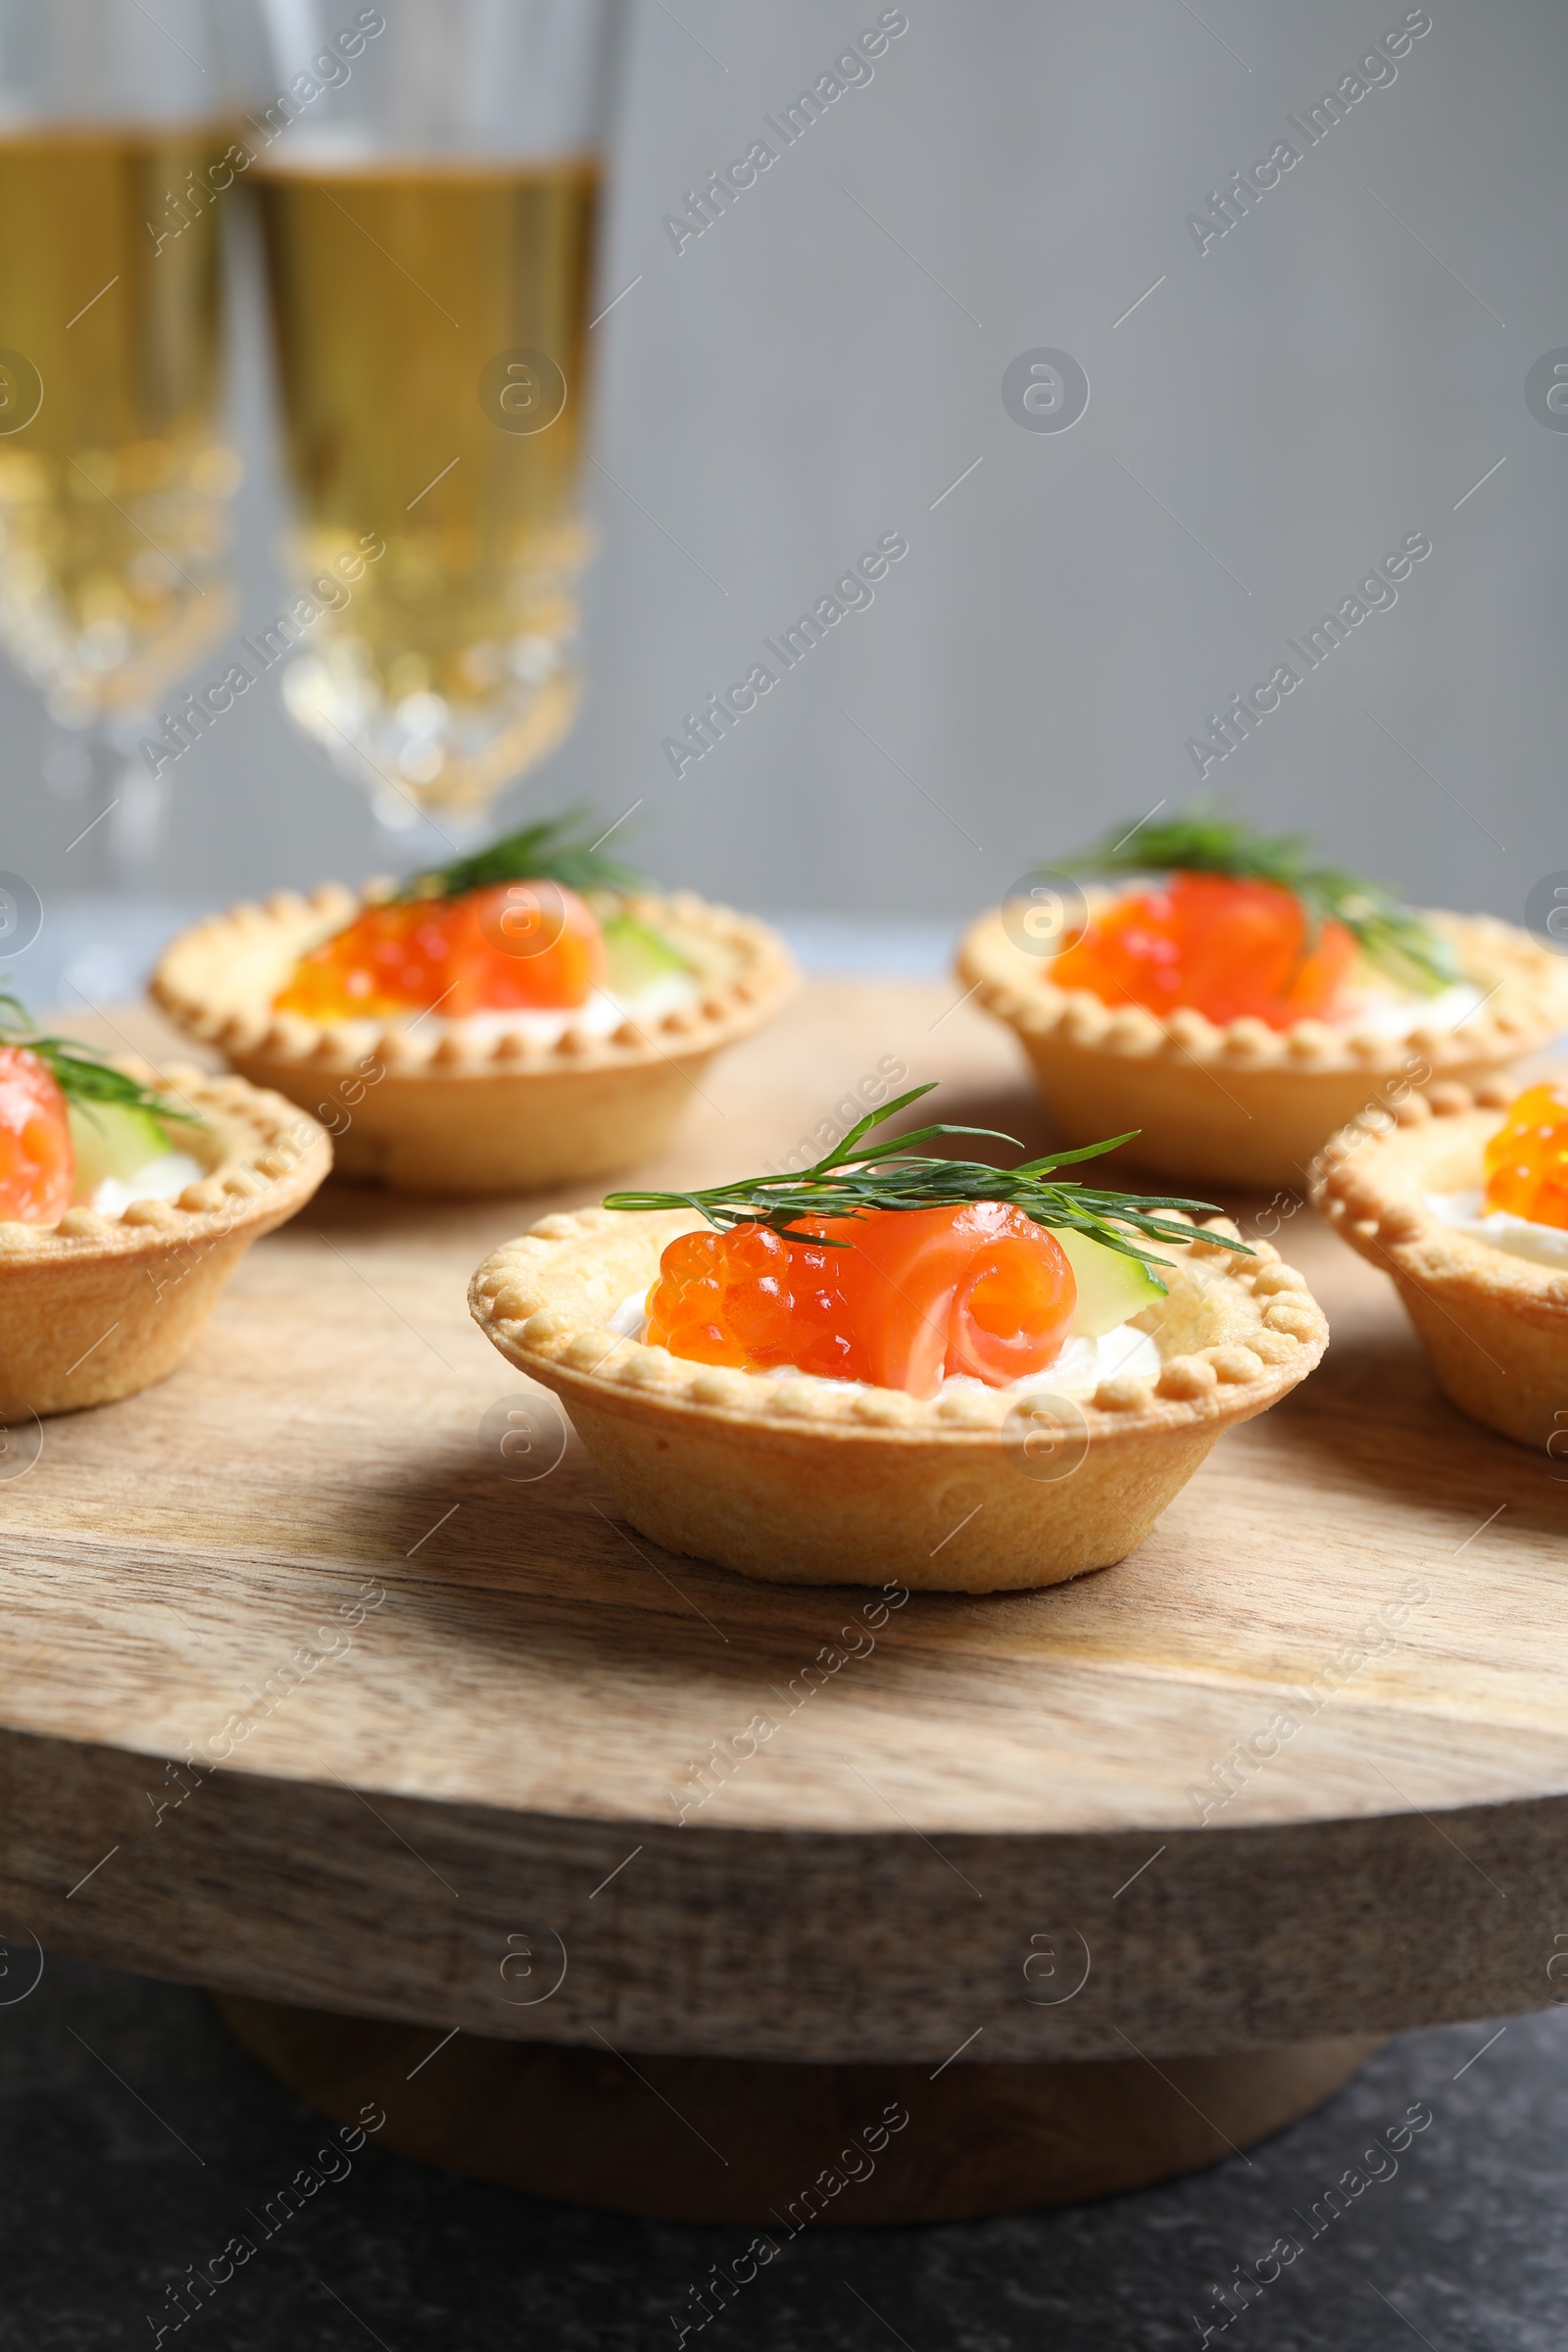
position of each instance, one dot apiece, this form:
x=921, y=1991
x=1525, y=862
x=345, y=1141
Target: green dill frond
x=854, y=1181
x=544, y=852
x=1207, y=840
x=81, y=1075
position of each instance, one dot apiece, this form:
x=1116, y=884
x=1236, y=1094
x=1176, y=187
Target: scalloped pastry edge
x=1495, y=1327
x=272, y=1153
x=752, y=975
x=1370, y=1180
x=1530, y=1005
x=521, y=1302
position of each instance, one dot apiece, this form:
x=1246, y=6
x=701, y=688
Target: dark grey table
x=136, y=2140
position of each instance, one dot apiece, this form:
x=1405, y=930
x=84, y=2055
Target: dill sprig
x=851, y=1181
x=544, y=852
x=81, y=1075
x=1207, y=840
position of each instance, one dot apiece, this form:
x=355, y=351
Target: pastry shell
x=99, y=1306
x=452, y=1106
x=820, y=1483
x=1495, y=1326
x=1244, y=1104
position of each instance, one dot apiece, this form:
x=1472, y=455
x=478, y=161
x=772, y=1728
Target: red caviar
x=1527, y=1160
x=37, y=1165
x=1224, y=947
x=978, y=1289
x=515, y=945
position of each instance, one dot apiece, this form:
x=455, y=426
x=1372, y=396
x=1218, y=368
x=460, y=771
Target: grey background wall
x=1334, y=373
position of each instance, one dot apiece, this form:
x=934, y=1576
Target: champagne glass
x=429, y=222
x=114, y=474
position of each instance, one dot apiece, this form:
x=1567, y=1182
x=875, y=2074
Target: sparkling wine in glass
x=429, y=228
x=114, y=474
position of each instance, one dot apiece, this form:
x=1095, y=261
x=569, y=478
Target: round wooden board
x=977, y=1839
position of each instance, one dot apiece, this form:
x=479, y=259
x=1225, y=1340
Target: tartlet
x=1244, y=1104
x=98, y=1305
x=475, y=1104
x=1251, y=1001
x=804, y=1481
x=1495, y=1325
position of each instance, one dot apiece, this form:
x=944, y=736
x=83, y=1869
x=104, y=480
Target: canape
x=1462, y=1197
x=961, y=1377
x=1237, y=1002
x=506, y=1022
x=126, y=1201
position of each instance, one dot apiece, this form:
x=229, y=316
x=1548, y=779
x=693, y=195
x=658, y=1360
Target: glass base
x=426, y=758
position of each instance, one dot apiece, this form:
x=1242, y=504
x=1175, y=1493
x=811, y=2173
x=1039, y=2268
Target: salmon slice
x=38, y=1161
x=908, y=1296
x=1227, y=948
x=515, y=946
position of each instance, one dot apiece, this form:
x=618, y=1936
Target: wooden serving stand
x=435, y=1864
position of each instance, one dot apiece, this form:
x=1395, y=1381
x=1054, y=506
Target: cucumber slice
x=1111, y=1288
x=638, y=957
x=113, y=1139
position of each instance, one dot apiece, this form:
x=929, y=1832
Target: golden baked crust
x=800, y=1482
x=1245, y=1103
x=98, y=1306
x=476, y=1107
x=1495, y=1326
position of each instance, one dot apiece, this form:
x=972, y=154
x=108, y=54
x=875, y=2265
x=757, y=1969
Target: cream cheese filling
x=1077, y=1371
x=544, y=1025
x=161, y=1179
x=1385, y=1014
x=1520, y=1237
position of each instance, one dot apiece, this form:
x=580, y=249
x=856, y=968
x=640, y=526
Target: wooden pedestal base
x=725, y=2140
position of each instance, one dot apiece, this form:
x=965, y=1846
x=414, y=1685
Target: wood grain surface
x=728, y=2140
x=987, y=1825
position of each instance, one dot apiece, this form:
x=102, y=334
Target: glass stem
x=135, y=802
